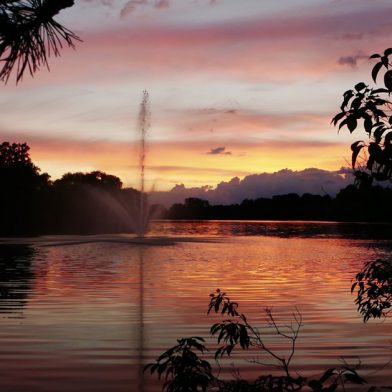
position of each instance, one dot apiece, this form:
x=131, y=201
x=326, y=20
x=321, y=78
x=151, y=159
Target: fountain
x=137, y=214
x=141, y=226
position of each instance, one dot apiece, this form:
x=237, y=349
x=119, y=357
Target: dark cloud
x=162, y=4
x=107, y=3
x=352, y=60
x=352, y=36
x=132, y=5
x=218, y=151
x=315, y=181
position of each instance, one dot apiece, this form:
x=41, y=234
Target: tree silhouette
x=22, y=187
x=94, y=178
x=372, y=107
x=17, y=171
x=29, y=35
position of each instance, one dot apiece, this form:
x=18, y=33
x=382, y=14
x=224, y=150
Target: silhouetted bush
x=183, y=368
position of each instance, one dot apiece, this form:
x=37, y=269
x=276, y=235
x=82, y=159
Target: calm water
x=85, y=317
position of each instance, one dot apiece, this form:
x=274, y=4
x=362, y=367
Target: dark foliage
x=78, y=203
x=353, y=203
x=373, y=287
x=95, y=202
x=182, y=367
x=184, y=370
x=29, y=35
x=371, y=108
x=22, y=188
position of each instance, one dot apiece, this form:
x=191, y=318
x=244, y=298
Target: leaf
x=347, y=96
x=378, y=133
x=380, y=90
x=368, y=123
x=229, y=349
x=327, y=374
x=388, y=52
x=315, y=385
x=375, y=71
x=344, y=122
x=375, y=56
x=388, y=138
x=219, y=352
x=370, y=163
x=338, y=117
x=360, y=86
x=388, y=80
x=356, y=148
x=217, y=304
x=354, y=378
x=356, y=103
x=351, y=123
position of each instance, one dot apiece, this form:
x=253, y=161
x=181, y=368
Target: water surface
x=88, y=316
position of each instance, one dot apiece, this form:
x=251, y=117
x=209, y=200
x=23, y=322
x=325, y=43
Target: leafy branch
x=184, y=370
x=371, y=107
x=374, y=289
x=182, y=367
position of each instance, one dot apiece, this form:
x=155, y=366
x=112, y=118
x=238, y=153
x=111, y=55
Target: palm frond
x=29, y=35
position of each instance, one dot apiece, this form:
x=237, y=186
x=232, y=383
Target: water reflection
x=16, y=279
x=141, y=251
x=301, y=229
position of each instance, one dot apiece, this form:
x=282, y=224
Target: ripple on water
x=78, y=318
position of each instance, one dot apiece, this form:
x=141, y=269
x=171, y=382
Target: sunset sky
x=236, y=87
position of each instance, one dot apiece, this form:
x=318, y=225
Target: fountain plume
x=143, y=125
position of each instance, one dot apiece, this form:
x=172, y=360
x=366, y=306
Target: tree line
x=352, y=204
x=96, y=202
x=78, y=203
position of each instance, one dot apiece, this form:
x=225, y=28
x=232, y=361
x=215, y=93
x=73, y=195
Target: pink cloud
x=131, y=7
x=277, y=50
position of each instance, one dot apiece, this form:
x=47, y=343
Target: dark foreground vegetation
x=96, y=202
x=182, y=366
x=186, y=367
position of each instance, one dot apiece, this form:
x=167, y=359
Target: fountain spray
x=144, y=125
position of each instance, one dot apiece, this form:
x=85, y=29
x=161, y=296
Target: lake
x=86, y=316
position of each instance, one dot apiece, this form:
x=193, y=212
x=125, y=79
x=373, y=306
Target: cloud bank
x=312, y=180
